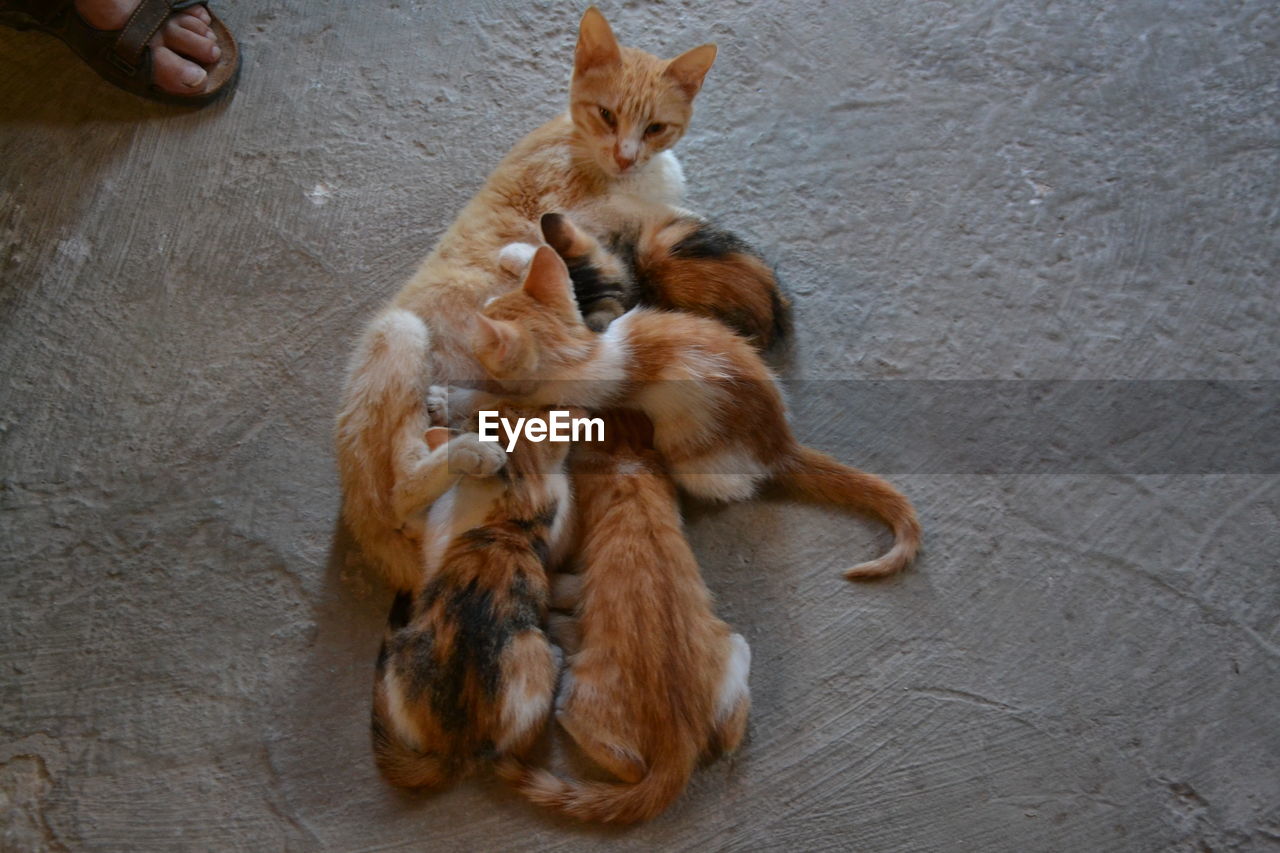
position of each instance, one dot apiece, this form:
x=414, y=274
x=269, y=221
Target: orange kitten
x=719, y=420
x=606, y=161
x=465, y=673
x=658, y=681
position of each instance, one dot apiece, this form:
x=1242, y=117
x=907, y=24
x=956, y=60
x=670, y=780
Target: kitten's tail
x=401, y=763
x=383, y=416
x=601, y=802
x=815, y=476
x=404, y=766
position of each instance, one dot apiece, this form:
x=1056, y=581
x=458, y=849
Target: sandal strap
x=138, y=30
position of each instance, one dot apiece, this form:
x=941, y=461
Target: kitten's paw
x=733, y=681
x=438, y=405
x=566, y=591
x=564, y=631
x=475, y=458
x=599, y=319
x=515, y=257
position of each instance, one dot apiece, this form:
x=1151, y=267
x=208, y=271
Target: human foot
x=183, y=41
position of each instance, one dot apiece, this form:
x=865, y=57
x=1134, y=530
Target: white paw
x=438, y=405
x=515, y=257
x=475, y=458
x=733, y=683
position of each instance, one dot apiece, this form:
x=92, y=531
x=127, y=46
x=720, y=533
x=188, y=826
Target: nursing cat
x=465, y=674
x=719, y=419
x=657, y=681
x=607, y=161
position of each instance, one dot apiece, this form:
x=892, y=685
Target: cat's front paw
x=601, y=315
x=566, y=591
x=475, y=458
x=438, y=405
x=565, y=632
x=515, y=257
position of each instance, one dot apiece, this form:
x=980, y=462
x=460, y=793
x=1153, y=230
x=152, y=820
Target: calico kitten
x=465, y=673
x=719, y=420
x=679, y=262
x=658, y=681
x=607, y=161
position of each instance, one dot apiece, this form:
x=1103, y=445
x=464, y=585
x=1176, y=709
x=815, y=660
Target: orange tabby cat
x=465, y=673
x=719, y=420
x=658, y=681
x=605, y=160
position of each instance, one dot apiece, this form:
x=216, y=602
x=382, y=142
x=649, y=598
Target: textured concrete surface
x=990, y=190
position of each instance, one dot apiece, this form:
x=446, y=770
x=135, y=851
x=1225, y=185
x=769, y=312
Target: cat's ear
x=562, y=235
x=437, y=437
x=688, y=69
x=495, y=339
x=597, y=48
x=547, y=281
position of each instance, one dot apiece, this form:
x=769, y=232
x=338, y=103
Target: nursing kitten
x=678, y=262
x=719, y=419
x=658, y=681
x=465, y=673
x=606, y=161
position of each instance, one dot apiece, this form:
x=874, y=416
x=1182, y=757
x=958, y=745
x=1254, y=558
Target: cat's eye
x=654, y=129
x=607, y=115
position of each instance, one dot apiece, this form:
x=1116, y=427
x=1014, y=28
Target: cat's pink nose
x=624, y=163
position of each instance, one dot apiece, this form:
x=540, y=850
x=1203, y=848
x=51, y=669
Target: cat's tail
x=401, y=763
x=404, y=766
x=600, y=802
x=815, y=476
x=383, y=416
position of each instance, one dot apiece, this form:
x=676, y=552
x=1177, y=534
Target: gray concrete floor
x=989, y=190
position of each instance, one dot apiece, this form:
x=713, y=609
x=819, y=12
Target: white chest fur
x=653, y=192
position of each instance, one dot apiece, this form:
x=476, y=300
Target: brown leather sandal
x=123, y=57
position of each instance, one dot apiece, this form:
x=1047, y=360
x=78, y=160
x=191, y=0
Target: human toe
x=195, y=25
x=174, y=74
x=186, y=43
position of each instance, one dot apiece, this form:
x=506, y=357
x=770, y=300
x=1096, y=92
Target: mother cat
x=607, y=162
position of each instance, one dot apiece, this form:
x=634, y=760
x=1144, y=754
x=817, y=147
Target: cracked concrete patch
x=987, y=191
x=24, y=785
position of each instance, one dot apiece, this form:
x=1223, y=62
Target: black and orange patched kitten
x=677, y=262
x=465, y=674
x=656, y=681
x=719, y=419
